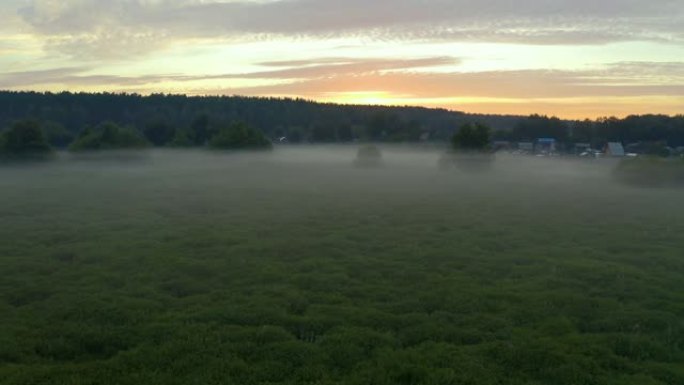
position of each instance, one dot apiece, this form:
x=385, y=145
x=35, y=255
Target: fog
x=306, y=177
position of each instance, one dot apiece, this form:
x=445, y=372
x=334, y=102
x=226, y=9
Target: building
x=500, y=145
x=545, y=145
x=581, y=148
x=614, y=149
x=526, y=147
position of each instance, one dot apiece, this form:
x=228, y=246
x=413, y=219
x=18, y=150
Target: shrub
x=109, y=136
x=472, y=137
x=240, y=136
x=182, y=138
x=57, y=135
x=159, y=133
x=24, y=139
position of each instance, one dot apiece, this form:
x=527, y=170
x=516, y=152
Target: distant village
x=542, y=147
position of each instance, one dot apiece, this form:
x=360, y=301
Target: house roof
x=615, y=149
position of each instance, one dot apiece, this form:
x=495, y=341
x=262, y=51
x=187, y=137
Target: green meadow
x=295, y=267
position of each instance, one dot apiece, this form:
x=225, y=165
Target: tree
x=377, y=123
x=57, y=135
x=539, y=126
x=472, y=137
x=240, y=136
x=378, y=126
x=24, y=138
x=182, y=138
x=295, y=135
x=344, y=133
x=582, y=131
x=657, y=149
x=159, y=133
x=200, y=130
x=109, y=136
x=321, y=133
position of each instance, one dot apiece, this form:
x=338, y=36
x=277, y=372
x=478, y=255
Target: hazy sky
x=580, y=58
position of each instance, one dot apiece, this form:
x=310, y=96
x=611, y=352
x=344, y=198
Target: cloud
x=119, y=27
x=31, y=78
x=321, y=78
x=292, y=70
x=329, y=67
x=527, y=84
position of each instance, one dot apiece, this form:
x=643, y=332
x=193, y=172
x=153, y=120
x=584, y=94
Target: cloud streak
x=287, y=70
x=322, y=78
x=99, y=29
x=526, y=84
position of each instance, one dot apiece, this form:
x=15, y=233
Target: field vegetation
x=294, y=267
x=651, y=171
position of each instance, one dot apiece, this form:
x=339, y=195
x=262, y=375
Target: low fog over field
x=294, y=178
x=295, y=266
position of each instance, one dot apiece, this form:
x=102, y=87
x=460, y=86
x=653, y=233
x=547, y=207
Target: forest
x=179, y=120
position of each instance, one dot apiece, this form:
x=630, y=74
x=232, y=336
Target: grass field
x=295, y=267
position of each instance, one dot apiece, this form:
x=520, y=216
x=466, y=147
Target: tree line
x=179, y=120
x=167, y=119
x=28, y=139
x=668, y=130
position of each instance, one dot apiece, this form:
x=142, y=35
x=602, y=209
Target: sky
x=572, y=59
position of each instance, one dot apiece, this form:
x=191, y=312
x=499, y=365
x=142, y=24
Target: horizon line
x=335, y=103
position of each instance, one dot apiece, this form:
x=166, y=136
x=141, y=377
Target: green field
x=295, y=267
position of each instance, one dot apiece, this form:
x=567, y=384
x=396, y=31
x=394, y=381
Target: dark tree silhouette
x=301, y=120
x=24, y=138
x=182, y=138
x=109, y=136
x=472, y=137
x=539, y=126
x=240, y=136
x=159, y=133
x=200, y=130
